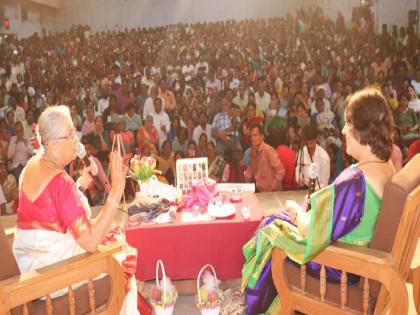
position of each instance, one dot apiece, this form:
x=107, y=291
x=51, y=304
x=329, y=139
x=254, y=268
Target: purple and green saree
x=346, y=210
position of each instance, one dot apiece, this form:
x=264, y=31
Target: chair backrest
x=8, y=265
x=399, y=218
x=395, y=195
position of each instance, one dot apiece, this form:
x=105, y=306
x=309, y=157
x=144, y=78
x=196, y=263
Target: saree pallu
x=336, y=210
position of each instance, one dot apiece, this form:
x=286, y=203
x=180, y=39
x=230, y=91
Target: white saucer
x=227, y=210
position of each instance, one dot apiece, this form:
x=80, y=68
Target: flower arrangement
x=143, y=168
x=210, y=297
x=164, y=297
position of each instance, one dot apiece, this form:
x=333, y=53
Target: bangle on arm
x=112, y=202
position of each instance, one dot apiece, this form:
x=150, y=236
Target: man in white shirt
x=149, y=106
x=312, y=153
x=20, y=150
x=262, y=98
x=320, y=94
x=203, y=127
x=160, y=120
x=241, y=99
x=202, y=66
x=103, y=104
x=19, y=112
x=213, y=83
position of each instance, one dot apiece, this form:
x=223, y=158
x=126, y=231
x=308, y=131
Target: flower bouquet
x=164, y=294
x=143, y=170
x=209, y=296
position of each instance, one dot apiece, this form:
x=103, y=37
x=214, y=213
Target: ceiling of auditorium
x=50, y=3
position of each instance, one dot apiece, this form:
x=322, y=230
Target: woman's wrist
x=115, y=194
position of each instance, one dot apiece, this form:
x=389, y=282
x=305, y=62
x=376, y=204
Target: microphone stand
x=300, y=163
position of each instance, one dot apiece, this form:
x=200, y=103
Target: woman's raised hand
x=118, y=169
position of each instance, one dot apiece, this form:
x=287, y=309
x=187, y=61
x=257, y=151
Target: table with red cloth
x=185, y=248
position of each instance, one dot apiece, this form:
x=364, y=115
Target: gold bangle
x=112, y=202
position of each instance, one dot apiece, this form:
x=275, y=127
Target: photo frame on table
x=190, y=172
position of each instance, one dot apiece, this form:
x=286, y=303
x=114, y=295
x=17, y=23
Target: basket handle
x=199, y=277
x=160, y=264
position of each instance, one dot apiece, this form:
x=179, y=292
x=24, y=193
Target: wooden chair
x=384, y=267
x=21, y=293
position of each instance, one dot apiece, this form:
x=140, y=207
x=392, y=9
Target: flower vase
x=146, y=189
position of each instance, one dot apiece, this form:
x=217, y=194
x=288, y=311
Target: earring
x=55, y=155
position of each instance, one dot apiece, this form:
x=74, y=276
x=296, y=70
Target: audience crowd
x=258, y=98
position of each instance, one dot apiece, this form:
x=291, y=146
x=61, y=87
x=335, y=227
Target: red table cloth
x=185, y=248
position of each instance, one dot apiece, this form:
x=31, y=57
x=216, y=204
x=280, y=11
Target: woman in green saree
x=346, y=210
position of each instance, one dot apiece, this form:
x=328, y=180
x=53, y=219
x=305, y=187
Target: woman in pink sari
x=53, y=221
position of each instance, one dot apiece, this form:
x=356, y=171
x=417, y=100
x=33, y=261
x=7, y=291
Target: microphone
x=81, y=154
x=313, y=171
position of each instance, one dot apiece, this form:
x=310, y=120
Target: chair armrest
x=365, y=262
x=32, y=285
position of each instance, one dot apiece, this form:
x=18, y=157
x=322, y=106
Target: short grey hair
x=54, y=123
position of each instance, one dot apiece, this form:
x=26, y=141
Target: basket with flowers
x=209, y=296
x=164, y=294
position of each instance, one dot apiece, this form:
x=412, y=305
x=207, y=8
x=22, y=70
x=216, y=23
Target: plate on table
x=224, y=211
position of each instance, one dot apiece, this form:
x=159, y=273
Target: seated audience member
x=63, y=228
x=100, y=186
x=132, y=120
x=10, y=120
x=29, y=125
x=202, y=145
x=406, y=121
x=181, y=142
x=265, y=168
x=191, y=150
x=234, y=170
x=112, y=113
x=190, y=127
x=203, y=127
x=102, y=142
x=127, y=137
x=175, y=126
x=251, y=120
x=275, y=118
x=287, y=156
x=167, y=162
x=89, y=123
x=20, y=150
x=4, y=134
x=365, y=110
x=216, y=162
x=160, y=120
x=413, y=100
x=167, y=96
x=75, y=117
x=312, y=153
x=148, y=136
x=221, y=126
x=414, y=148
x=9, y=187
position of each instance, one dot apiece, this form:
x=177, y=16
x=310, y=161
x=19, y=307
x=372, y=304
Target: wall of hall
x=37, y=18
x=111, y=14
x=117, y=14
x=385, y=11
